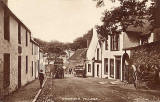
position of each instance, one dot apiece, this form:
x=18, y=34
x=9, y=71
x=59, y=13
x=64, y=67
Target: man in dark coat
x=41, y=77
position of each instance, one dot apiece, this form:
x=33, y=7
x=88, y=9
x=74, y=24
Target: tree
x=130, y=12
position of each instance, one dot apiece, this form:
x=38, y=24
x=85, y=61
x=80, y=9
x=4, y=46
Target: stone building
x=16, y=52
x=35, y=57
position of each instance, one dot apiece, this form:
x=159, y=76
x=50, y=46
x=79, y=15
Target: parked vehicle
x=58, y=67
x=79, y=71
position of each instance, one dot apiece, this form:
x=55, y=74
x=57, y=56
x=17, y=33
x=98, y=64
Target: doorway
x=118, y=67
x=97, y=70
x=19, y=71
x=35, y=70
x=6, y=75
x=93, y=69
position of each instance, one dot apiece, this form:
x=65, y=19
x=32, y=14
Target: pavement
x=26, y=93
x=76, y=89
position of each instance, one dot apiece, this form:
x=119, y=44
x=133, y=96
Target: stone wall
x=146, y=54
x=13, y=54
x=4, y=48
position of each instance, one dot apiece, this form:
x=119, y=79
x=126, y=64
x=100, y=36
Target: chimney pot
x=5, y=1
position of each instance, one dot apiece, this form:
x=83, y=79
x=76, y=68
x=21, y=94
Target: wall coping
x=145, y=45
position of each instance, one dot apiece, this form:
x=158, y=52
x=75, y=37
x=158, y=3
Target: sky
x=61, y=20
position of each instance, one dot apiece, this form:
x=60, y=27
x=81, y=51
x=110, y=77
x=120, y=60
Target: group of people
x=70, y=71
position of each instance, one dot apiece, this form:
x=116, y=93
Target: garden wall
x=148, y=54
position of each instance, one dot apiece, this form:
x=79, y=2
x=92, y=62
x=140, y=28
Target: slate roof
x=142, y=30
x=79, y=54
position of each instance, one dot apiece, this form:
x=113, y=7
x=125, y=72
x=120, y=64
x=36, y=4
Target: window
x=19, y=33
x=6, y=74
x=35, y=50
x=106, y=45
x=105, y=65
x=112, y=68
x=97, y=54
x=32, y=49
x=6, y=25
x=89, y=67
x=144, y=40
x=115, y=43
x=26, y=38
x=26, y=64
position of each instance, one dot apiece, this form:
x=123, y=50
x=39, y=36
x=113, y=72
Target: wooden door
x=19, y=71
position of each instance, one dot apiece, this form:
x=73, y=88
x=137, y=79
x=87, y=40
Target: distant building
x=78, y=58
x=35, y=57
x=41, y=60
x=69, y=53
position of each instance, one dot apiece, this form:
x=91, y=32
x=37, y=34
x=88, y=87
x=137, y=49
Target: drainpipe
x=101, y=61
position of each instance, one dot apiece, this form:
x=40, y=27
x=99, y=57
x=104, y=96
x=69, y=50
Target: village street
x=74, y=89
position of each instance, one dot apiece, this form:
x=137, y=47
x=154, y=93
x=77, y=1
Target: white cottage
x=94, y=57
x=107, y=58
x=114, y=50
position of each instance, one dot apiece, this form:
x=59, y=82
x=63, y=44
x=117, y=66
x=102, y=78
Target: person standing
x=62, y=73
x=41, y=77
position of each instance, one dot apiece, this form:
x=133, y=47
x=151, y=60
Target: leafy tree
x=54, y=49
x=130, y=12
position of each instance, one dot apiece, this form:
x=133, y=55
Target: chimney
x=5, y=1
x=89, y=37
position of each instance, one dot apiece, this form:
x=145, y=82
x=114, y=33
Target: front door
x=112, y=68
x=118, y=67
x=93, y=69
x=98, y=70
x=19, y=71
x=6, y=75
x=35, y=70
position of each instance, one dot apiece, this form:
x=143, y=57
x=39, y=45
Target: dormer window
x=106, y=45
x=97, y=54
x=144, y=40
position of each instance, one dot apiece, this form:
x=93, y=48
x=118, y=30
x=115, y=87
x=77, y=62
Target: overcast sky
x=62, y=20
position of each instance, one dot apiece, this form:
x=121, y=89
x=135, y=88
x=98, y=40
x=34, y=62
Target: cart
x=79, y=71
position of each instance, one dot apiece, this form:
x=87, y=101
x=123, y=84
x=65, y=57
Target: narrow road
x=73, y=89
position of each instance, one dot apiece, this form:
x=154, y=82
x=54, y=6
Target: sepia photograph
x=79, y=50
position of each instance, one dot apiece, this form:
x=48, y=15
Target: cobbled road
x=73, y=89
